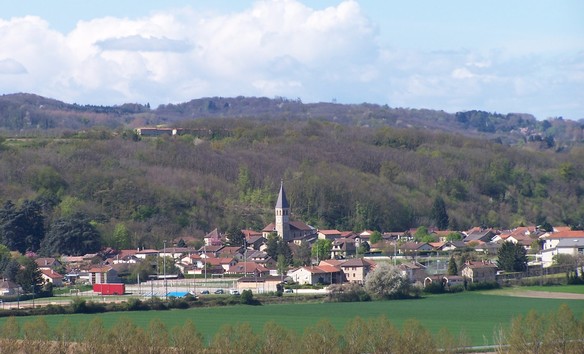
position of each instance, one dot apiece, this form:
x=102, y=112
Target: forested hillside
x=31, y=115
x=138, y=192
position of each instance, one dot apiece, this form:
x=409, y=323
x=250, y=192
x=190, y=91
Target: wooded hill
x=337, y=173
x=27, y=114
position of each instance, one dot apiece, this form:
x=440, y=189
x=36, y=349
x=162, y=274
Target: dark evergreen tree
x=22, y=229
x=29, y=276
x=302, y=254
x=235, y=237
x=11, y=270
x=512, y=257
x=272, y=245
x=73, y=235
x=452, y=268
x=284, y=250
x=439, y=214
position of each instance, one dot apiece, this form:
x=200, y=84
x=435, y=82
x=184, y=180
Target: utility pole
x=164, y=271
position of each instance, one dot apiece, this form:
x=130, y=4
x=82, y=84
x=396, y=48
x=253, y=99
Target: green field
x=476, y=314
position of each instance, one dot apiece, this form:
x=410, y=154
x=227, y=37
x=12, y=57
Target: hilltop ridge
x=24, y=113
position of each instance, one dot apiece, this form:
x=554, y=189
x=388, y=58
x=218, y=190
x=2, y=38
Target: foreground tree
x=386, y=282
x=512, y=257
x=186, y=339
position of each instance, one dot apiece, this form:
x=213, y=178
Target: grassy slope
x=475, y=314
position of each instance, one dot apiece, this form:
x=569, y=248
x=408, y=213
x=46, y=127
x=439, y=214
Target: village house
x=414, y=271
x=232, y=251
x=261, y=285
x=414, y=248
x=343, y=248
x=102, y=275
x=175, y=252
x=223, y=262
x=210, y=251
x=214, y=238
x=247, y=268
x=261, y=257
x=355, y=270
x=47, y=263
x=253, y=239
x=328, y=234
x=9, y=288
x=568, y=246
x=50, y=276
x=476, y=272
x=145, y=253
x=478, y=234
x=321, y=274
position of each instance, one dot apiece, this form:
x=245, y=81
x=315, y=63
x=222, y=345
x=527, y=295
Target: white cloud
x=273, y=48
x=11, y=66
x=139, y=43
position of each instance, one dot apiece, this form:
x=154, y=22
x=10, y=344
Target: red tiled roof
x=51, y=274
x=480, y=265
x=567, y=234
x=329, y=232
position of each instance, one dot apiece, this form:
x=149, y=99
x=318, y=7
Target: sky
x=499, y=56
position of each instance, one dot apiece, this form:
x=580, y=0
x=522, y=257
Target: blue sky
x=502, y=56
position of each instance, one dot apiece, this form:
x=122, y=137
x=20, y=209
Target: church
x=289, y=231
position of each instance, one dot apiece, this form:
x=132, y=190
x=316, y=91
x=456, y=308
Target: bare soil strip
x=545, y=295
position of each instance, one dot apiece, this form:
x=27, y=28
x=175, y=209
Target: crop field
x=477, y=315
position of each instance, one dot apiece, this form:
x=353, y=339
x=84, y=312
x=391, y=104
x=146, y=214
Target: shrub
x=134, y=304
x=484, y=285
x=435, y=288
x=347, y=293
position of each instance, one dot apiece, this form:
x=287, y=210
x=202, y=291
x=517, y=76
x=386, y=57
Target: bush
x=484, y=285
x=178, y=303
x=435, y=288
x=154, y=303
x=134, y=304
x=347, y=293
x=456, y=288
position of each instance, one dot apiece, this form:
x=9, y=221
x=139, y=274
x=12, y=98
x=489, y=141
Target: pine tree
x=439, y=214
x=452, y=268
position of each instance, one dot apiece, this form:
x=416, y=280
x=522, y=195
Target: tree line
x=557, y=332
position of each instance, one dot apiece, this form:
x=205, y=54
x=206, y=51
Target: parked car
x=205, y=292
x=234, y=292
x=219, y=291
x=288, y=290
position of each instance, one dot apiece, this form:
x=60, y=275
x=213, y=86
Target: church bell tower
x=282, y=212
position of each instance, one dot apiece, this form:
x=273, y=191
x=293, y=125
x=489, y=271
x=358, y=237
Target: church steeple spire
x=282, y=202
x=282, y=213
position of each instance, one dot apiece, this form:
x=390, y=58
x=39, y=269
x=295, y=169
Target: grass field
x=476, y=314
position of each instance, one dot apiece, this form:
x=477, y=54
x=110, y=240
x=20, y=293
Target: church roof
x=282, y=202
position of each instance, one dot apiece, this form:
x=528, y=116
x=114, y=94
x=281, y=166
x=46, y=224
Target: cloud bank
x=276, y=48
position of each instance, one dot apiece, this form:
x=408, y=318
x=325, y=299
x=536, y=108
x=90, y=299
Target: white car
x=234, y=292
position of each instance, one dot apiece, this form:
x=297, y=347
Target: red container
x=110, y=289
